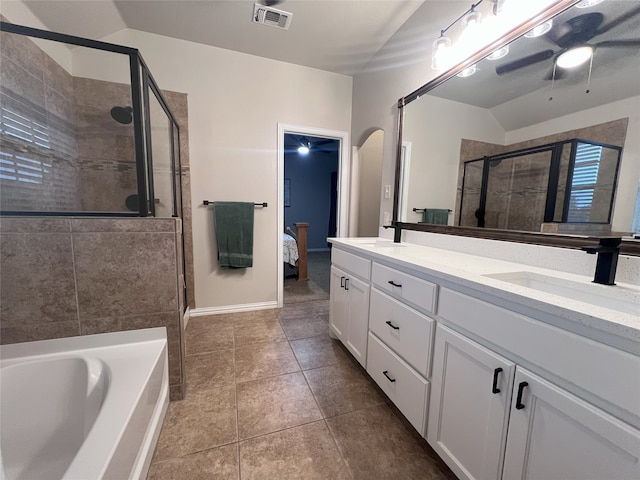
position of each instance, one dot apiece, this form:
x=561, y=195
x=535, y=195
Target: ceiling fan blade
x=618, y=21
x=524, y=62
x=632, y=42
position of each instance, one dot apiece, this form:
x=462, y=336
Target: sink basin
x=620, y=298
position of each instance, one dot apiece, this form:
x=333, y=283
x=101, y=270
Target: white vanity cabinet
x=491, y=418
x=469, y=409
x=349, y=309
x=400, y=338
x=554, y=434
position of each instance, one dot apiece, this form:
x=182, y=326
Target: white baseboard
x=200, y=312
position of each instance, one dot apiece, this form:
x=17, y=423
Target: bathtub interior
x=47, y=408
x=83, y=407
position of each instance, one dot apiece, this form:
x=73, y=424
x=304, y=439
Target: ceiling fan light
x=588, y=3
x=500, y=53
x=574, y=57
x=539, y=30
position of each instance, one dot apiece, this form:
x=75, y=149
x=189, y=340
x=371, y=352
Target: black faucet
x=608, y=250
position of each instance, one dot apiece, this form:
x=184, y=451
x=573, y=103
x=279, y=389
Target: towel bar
x=420, y=210
x=261, y=204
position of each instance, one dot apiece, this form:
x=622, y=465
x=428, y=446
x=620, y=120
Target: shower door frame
x=141, y=81
x=553, y=183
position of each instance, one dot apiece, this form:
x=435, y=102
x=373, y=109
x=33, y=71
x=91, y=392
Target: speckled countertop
x=620, y=317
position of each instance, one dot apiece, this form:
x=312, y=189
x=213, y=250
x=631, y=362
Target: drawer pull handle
x=390, y=323
x=519, y=404
x=495, y=388
x=386, y=374
x=391, y=282
x=342, y=282
x=346, y=284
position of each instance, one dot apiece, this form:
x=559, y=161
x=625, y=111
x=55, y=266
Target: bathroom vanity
x=509, y=371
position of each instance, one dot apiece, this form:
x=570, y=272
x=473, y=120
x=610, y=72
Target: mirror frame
x=628, y=246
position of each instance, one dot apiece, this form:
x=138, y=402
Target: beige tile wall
x=62, y=277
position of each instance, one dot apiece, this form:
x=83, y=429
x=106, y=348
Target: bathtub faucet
x=608, y=250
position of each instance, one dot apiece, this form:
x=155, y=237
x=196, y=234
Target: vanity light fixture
x=440, y=52
x=500, y=53
x=588, y=3
x=467, y=72
x=539, y=30
x=574, y=57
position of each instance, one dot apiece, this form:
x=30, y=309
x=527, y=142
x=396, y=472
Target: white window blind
x=583, y=182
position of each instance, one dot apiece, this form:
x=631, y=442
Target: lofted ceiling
x=339, y=36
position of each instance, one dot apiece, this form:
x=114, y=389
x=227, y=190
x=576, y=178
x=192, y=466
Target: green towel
x=234, y=233
x=435, y=216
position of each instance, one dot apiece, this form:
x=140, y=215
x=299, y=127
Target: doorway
x=321, y=199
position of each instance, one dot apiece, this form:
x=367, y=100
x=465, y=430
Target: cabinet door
x=469, y=406
x=338, y=304
x=553, y=434
x=357, y=318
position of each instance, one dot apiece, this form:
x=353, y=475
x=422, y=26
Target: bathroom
x=232, y=124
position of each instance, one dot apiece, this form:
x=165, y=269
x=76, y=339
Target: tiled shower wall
x=612, y=133
x=62, y=277
x=91, y=161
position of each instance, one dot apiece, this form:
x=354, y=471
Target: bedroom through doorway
x=311, y=179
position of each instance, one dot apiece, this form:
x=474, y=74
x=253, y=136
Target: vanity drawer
x=411, y=289
x=589, y=365
x=407, y=332
x=352, y=263
x=406, y=389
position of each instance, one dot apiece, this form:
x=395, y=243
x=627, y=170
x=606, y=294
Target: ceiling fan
x=574, y=37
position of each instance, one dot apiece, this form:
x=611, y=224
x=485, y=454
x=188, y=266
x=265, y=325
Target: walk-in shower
x=84, y=130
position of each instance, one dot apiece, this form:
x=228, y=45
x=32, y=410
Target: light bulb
x=539, y=30
x=467, y=72
x=501, y=52
x=574, y=57
x=440, y=53
x=588, y=3
x=303, y=149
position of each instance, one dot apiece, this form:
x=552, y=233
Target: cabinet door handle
x=519, y=404
x=495, y=388
x=390, y=323
x=346, y=284
x=391, y=282
x=342, y=282
x=386, y=374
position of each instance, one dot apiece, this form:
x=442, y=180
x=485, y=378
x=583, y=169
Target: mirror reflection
x=527, y=143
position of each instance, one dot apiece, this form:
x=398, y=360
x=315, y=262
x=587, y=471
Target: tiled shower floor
x=271, y=396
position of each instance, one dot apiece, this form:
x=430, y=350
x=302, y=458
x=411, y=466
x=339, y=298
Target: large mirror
x=517, y=142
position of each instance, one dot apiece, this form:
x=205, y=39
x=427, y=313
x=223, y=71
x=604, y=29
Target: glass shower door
x=516, y=193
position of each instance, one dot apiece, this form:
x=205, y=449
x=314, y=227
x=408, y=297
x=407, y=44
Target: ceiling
x=339, y=36
x=526, y=96
x=316, y=144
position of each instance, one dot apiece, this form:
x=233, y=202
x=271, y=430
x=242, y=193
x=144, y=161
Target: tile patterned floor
x=271, y=396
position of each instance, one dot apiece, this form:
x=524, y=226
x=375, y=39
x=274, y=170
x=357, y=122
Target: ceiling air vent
x=271, y=16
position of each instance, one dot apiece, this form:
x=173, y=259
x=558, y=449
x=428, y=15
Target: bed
x=295, y=249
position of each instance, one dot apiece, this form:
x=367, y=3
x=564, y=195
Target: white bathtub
x=83, y=408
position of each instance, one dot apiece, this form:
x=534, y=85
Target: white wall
x=369, y=189
x=18, y=13
x=629, y=175
x=235, y=103
x=435, y=126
